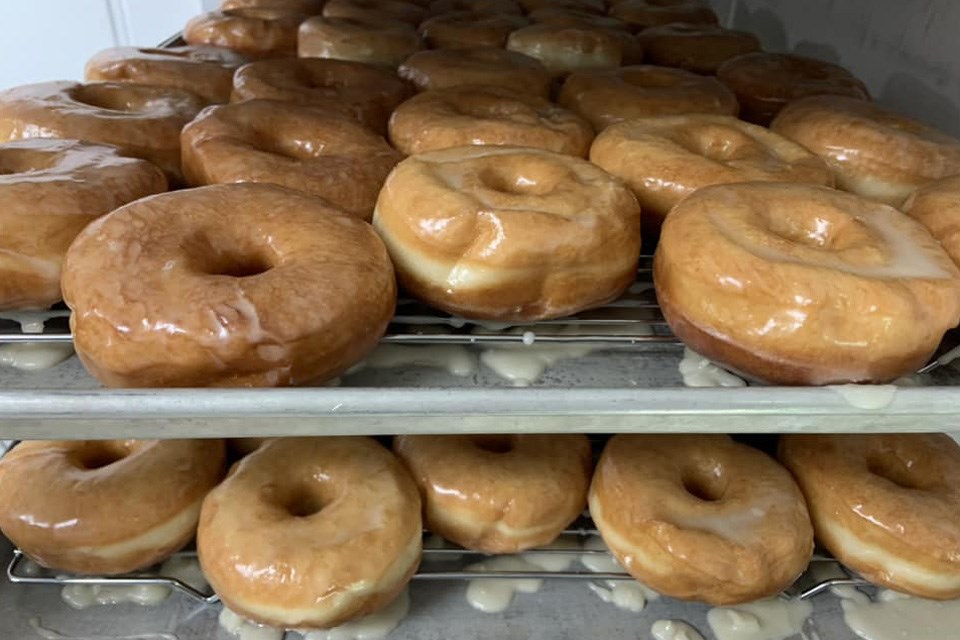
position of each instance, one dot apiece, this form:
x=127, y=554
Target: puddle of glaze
x=698, y=371
x=372, y=627
x=674, y=630
x=896, y=616
x=773, y=619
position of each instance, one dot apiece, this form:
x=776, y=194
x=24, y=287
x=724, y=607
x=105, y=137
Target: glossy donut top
x=465, y=30
x=937, y=207
x=643, y=14
x=563, y=50
x=393, y=9
x=567, y=17
x=381, y=41
x=482, y=66
x=306, y=7
x=701, y=48
x=254, y=31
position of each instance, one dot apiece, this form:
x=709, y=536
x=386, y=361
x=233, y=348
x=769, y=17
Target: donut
x=205, y=71
x=392, y=9
x=509, y=233
x=605, y=97
x=499, y=494
x=803, y=284
x=484, y=66
x=875, y=152
x=885, y=505
x=701, y=48
x=300, y=147
x=306, y=7
x=334, y=522
x=937, y=207
x=476, y=7
x=49, y=191
x=765, y=82
x=591, y=6
x=372, y=40
x=254, y=31
x=464, y=30
x=700, y=517
x=643, y=14
x=143, y=121
x=366, y=92
x=461, y=116
x=665, y=159
x=227, y=285
x=631, y=49
x=563, y=50
x=105, y=507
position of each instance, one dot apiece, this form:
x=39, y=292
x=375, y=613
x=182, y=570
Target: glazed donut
x=937, y=207
x=392, y=9
x=499, y=494
x=563, y=50
x=803, y=284
x=606, y=97
x=462, y=30
x=875, y=152
x=885, y=505
x=476, y=7
x=591, y=6
x=300, y=147
x=700, y=48
x=665, y=159
x=461, y=116
x=253, y=31
x=206, y=71
x=365, y=92
x=643, y=14
x=372, y=40
x=306, y=7
x=49, y=191
x=491, y=67
x=631, y=49
x=509, y=233
x=765, y=82
x=335, y=520
x=701, y=517
x=143, y=121
x=219, y=286
x=105, y=507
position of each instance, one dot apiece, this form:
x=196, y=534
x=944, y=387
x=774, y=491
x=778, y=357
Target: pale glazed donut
x=509, y=233
x=219, y=286
x=803, y=284
x=701, y=48
x=665, y=159
x=300, y=147
x=701, y=517
x=563, y=50
x=477, y=7
x=765, y=82
x=311, y=532
x=499, y=494
x=610, y=96
x=485, y=66
x=885, y=505
x=643, y=14
x=875, y=152
x=460, y=116
x=592, y=6
x=630, y=48
x=372, y=40
x=206, y=71
x=937, y=207
x=306, y=7
x=253, y=31
x=105, y=507
x=464, y=30
x=143, y=121
x=392, y=9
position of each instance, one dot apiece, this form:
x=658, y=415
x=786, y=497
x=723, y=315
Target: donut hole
x=720, y=143
x=892, y=468
x=111, y=98
x=495, y=444
x=91, y=458
x=239, y=266
x=533, y=180
x=302, y=502
x=704, y=485
x=234, y=262
x=824, y=227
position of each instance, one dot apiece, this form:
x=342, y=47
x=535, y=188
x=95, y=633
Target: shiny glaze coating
x=311, y=532
x=631, y=51
x=701, y=48
x=105, y=507
x=488, y=66
x=563, y=50
x=381, y=41
x=643, y=14
x=476, y=7
x=229, y=285
x=143, y=121
x=701, y=517
x=307, y=7
x=49, y=191
x=606, y=97
x=887, y=506
x=874, y=151
x=499, y=494
x=254, y=31
x=937, y=207
x=465, y=30
x=804, y=284
x=392, y=9
x=510, y=233
x=300, y=147
x=460, y=116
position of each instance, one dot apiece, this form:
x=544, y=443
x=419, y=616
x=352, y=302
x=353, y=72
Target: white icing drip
x=29, y=322
x=186, y=569
x=83, y=596
x=30, y=568
x=555, y=561
x=494, y=595
x=529, y=337
x=866, y=396
x=246, y=630
x=674, y=630
x=772, y=619
x=372, y=627
x=524, y=365
x=34, y=356
x=697, y=371
x=895, y=616
x=455, y=359
x=628, y=595
x=51, y=634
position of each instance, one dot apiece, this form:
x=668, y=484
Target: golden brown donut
x=875, y=152
x=631, y=49
x=885, y=505
x=592, y=6
x=306, y=7
x=465, y=30
x=486, y=66
x=206, y=71
x=643, y=14
x=765, y=82
x=804, y=284
x=499, y=494
x=108, y=506
x=460, y=116
x=311, y=532
x=300, y=147
x=509, y=233
x=665, y=159
x=392, y=9
x=700, y=48
x=563, y=50
x=253, y=31
x=605, y=97
x=937, y=207
x=476, y=7
x=380, y=41
x=144, y=121
x=219, y=286
x=701, y=517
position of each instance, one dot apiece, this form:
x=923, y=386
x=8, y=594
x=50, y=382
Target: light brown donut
x=937, y=207
x=564, y=50
x=105, y=507
x=631, y=49
x=392, y=9
x=464, y=30
x=219, y=286
x=492, y=67
x=306, y=7
x=701, y=48
x=885, y=505
x=371, y=40
x=460, y=116
x=701, y=517
x=476, y=7
x=875, y=152
x=643, y=14
x=253, y=31
x=499, y=494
